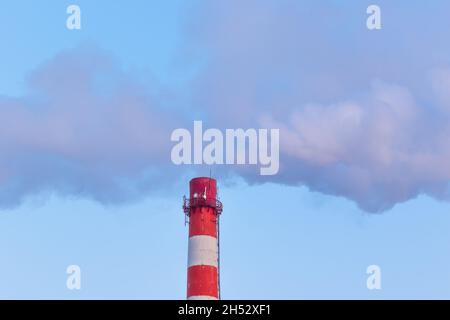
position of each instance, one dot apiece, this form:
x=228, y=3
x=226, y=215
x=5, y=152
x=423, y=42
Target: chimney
x=202, y=211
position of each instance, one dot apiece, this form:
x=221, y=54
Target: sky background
x=86, y=116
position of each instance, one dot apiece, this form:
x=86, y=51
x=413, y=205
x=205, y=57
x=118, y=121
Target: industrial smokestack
x=202, y=211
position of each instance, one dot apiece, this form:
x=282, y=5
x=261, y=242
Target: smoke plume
x=362, y=114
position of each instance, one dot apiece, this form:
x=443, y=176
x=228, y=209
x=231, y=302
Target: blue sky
x=308, y=233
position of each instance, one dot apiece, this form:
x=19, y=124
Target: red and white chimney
x=202, y=210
